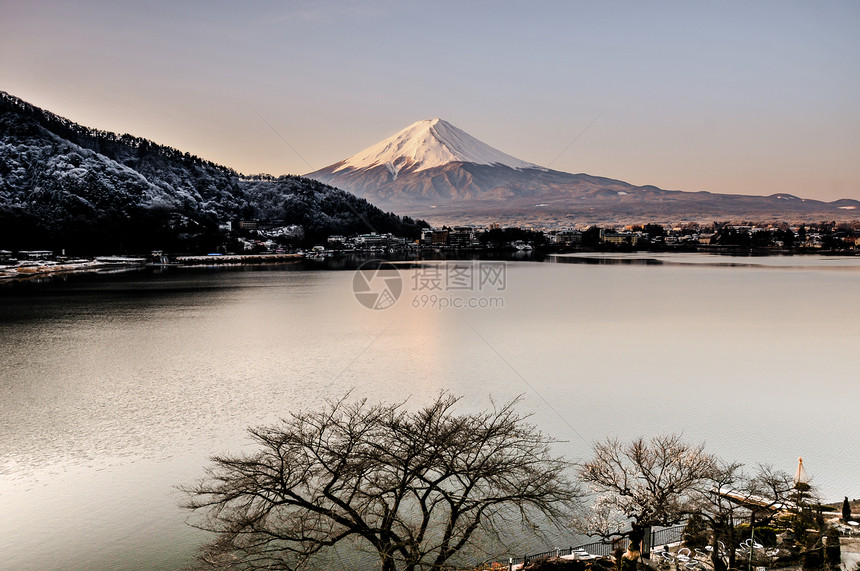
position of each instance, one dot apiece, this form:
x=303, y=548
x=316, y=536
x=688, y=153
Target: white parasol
x=800, y=476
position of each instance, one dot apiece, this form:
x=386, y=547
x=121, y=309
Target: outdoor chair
x=691, y=564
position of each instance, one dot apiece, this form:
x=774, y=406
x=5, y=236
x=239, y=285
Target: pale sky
x=735, y=97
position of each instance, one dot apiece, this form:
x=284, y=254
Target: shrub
x=695, y=533
x=813, y=560
x=832, y=551
x=763, y=534
x=558, y=564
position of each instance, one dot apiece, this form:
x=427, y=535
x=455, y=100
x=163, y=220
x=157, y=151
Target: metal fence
x=663, y=536
x=667, y=535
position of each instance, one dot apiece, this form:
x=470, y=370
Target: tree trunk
x=716, y=557
x=730, y=544
x=629, y=559
x=636, y=535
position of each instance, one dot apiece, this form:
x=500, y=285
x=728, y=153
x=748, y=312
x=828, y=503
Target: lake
x=116, y=389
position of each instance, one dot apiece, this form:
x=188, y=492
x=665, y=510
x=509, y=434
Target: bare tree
x=799, y=498
x=779, y=487
x=720, y=503
x=728, y=494
x=413, y=487
x=645, y=482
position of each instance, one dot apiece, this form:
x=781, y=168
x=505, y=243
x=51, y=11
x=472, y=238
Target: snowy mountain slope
x=433, y=169
x=428, y=144
x=63, y=185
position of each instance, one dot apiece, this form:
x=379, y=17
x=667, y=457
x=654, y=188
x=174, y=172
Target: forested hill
x=63, y=185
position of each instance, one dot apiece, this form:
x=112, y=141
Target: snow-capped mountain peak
x=427, y=144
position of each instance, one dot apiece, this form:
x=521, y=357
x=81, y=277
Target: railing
x=667, y=535
x=663, y=536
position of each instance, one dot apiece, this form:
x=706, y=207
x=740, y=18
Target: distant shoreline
x=34, y=269
x=25, y=272
x=237, y=259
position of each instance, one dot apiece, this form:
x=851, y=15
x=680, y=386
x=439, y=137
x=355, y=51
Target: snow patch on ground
x=427, y=144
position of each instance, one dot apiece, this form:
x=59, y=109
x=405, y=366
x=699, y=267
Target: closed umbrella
x=800, y=476
x=801, y=481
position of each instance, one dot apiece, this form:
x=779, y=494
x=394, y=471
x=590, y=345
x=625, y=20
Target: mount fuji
x=434, y=170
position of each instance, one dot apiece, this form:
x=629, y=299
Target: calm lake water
x=114, y=390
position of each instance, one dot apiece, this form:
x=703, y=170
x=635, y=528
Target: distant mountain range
x=433, y=169
x=63, y=185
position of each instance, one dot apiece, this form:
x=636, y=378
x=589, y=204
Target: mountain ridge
x=395, y=174
x=63, y=185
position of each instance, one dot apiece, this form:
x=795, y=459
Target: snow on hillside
x=427, y=144
x=63, y=185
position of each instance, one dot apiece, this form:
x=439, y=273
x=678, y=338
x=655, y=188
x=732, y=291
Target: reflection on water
x=115, y=390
